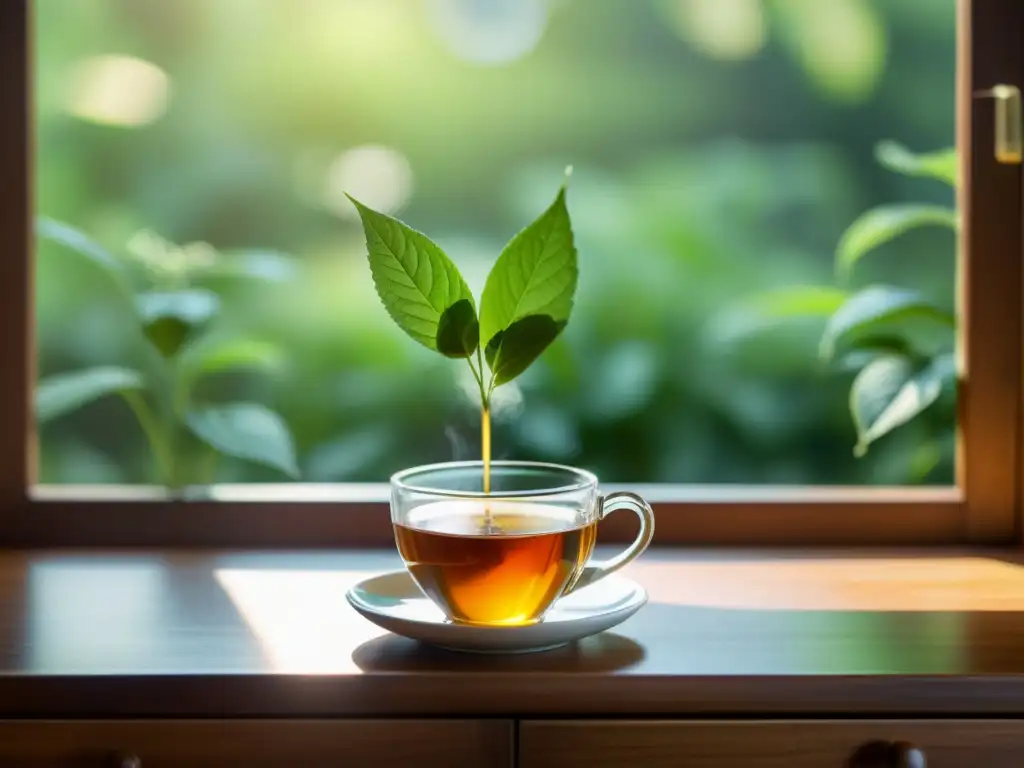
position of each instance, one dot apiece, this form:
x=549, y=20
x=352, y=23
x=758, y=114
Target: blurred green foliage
x=901, y=341
x=716, y=164
x=171, y=316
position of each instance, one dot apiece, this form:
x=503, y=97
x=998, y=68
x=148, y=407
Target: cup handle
x=612, y=503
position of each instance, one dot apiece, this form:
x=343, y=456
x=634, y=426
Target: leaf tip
x=860, y=450
x=567, y=175
x=359, y=206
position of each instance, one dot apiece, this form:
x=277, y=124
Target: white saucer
x=394, y=601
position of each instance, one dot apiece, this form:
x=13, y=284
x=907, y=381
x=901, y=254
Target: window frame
x=983, y=508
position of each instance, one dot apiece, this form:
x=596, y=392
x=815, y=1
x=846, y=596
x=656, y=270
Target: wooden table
x=794, y=658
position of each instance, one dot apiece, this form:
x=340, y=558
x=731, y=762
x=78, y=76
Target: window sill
x=305, y=516
x=160, y=633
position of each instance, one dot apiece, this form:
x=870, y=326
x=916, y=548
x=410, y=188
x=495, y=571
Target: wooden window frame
x=983, y=508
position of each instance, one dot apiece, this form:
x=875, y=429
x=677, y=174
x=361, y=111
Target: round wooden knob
x=887, y=754
x=124, y=760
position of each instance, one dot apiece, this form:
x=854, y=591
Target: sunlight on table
x=838, y=584
x=300, y=618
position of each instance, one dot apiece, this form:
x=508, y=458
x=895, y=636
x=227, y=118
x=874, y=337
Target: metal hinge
x=1009, y=141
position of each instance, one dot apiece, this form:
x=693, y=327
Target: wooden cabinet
x=489, y=744
x=256, y=744
x=768, y=744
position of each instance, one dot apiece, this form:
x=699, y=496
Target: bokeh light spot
x=730, y=30
x=117, y=90
x=841, y=45
x=378, y=176
x=489, y=31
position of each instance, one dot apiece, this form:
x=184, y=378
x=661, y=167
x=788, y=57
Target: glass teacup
x=504, y=558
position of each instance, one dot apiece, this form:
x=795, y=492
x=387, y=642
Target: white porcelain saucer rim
x=370, y=611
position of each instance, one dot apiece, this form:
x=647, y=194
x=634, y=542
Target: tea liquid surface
x=494, y=562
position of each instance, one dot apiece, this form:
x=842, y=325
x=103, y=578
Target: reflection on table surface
x=708, y=615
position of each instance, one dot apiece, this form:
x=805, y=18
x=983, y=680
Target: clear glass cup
x=504, y=558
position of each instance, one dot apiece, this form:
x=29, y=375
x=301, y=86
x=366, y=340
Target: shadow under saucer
x=605, y=652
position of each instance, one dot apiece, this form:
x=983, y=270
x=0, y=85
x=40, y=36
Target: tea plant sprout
x=525, y=303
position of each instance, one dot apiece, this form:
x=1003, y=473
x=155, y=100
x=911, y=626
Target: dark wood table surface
x=109, y=634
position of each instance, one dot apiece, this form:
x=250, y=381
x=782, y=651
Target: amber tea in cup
x=497, y=563
x=504, y=558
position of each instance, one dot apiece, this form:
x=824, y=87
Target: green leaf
x=884, y=342
x=513, y=350
x=69, y=237
x=247, y=431
x=942, y=164
x=867, y=311
x=535, y=276
x=885, y=223
x=417, y=282
x=169, y=317
x=892, y=390
x=218, y=355
x=66, y=392
x=867, y=348
x=458, y=332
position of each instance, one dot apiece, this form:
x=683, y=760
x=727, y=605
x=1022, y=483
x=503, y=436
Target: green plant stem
x=179, y=396
x=151, y=428
x=173, y=412
x=477, y=374
x=490, y=387
x=209, y=466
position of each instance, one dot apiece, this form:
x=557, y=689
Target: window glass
x=198, y=262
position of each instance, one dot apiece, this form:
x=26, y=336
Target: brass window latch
x=1009, y=139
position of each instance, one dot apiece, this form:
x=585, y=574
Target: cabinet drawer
x=256, y=744
x=774, y=744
